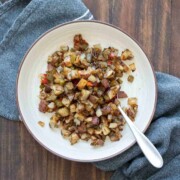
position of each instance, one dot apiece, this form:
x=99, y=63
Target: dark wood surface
x=155, y=25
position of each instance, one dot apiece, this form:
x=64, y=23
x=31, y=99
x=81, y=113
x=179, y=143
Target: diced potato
x=97, y=142
x=109, y=73
x=131, y=113
x=66, y=70
x=64, y=112
x=77, y=61
x=126, y=55
x=132, y=67
x=58, y=103
x=84, y=94
x=89, y=119
x=112, y=125
x=92, y=78
x=130, y=78
x=113, y=91
x=105, y=83
x=72, y=108
x=51, y=97
x=67, y=61
x=110, y=117
x=98, y=112
x=114, y=138
x=73, y=74
x=132, y=102
x=105, y=130
x=74, y=138
x=73, y=57
x=69, y=85
x=90, y=131
x=93, y=99
x=42, y=124
x=95, y=120
x=81, y=84
x=66, y=102
x=53, y=121
x=122, y=94
x=68, y=119
x=79, y=116
x=97, y=132
x=97, y=46
x=64, y=48
x=80, y=107
x=77, y=122
x=58, y=89
x=51, y=105
x=65, y=132
x=84, y=136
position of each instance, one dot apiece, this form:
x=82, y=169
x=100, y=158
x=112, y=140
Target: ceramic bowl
x=35, y=62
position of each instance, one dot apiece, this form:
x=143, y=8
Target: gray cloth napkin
x=164, y=132
x=21, y=23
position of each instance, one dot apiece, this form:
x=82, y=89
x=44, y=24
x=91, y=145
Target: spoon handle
x=144, y=143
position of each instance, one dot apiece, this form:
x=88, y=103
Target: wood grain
x=174, y=60
x=156, y=26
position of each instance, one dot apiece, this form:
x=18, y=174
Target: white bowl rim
x=23, y=119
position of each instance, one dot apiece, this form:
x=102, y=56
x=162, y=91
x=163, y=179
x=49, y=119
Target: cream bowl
x=35, y=62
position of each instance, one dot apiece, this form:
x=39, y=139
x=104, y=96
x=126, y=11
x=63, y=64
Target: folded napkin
x=164, y=133
x=21, y=23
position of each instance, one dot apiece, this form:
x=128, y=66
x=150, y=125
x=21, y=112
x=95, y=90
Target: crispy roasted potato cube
x=42, y=124
x=74, y=138
x=132, y=101
x=98, y=112
x=93, y=99
x=69, y=85
x=89, y=119
x=66, y=70
x=65, y=132
x=81, y=84
x=79, y=116
x=85, y=136
x=64, y=48
x=113, y=125
x=132, y=67
x=53, y=121
x=58, y=89
x=105, y=130
x=114, y=138
x=67, y=61
x=84, y=94
x=113, y=91
x=80, y=107
x=109, y=73
x=130, y=78
x=92, y=78
x=66, y=102
x=90, y=131
x=72, y=108
x=97, y=142
x=126, y=55
x=64, y=112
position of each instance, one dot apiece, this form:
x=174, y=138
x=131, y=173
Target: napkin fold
x=164, y=133
x=21, y=23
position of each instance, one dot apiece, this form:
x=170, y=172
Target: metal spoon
x=144, y=143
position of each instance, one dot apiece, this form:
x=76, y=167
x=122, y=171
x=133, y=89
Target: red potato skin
x=43, y=106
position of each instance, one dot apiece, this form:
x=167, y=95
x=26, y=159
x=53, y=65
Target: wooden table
x=155, y=25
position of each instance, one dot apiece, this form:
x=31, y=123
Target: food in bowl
x=82, y=88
